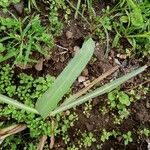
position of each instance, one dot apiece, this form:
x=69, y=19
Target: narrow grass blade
x=99, y=91
x=77, y=9
x=94, y=82
x=54, y=94
x=17, y=104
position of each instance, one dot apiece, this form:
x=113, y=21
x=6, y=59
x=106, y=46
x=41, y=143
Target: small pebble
x=81, y=79
x=119, y=138
x=69, y=35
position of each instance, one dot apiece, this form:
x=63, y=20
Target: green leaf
x=54, y=94
x=2, y=48
x=124, y=98
x=111, y=96
x=137, y=18
x=124, y=19
x=99, y=91
x=17, y=104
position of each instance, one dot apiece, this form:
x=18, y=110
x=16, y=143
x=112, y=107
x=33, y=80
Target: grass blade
x=17, y=104
x=94, y=82
x=54, y=94
x=99, y=91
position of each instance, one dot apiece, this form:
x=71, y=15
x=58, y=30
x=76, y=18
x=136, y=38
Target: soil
x=139, y=113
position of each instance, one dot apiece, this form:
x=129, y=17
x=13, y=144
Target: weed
x=105, y=135
x=87, y=139
x=87, y=109
x=9, y=142
x=119, y=100
x=23, y=37
x=145, y=132
x=133, y=25
x=127, y=137
x=27, y=91
x=6, y=3
x=104, y=110
x=63, y=122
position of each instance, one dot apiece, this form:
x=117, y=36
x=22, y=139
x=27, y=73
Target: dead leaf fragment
x=39, y=65
x=42, y=142
x=13, y=129
x=69, y=34
x=52, y=141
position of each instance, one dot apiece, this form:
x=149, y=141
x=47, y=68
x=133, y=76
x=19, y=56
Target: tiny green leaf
x=111, y=96
x=124, y=98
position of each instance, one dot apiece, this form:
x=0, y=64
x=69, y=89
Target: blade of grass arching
x=7, y=56
x=77, y=9
x=28, y=50
x=99, y=91
x=94, y=82
x=17, y=104
x=50, y=99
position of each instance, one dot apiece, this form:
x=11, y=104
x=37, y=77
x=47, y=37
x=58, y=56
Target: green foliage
x=129, y=20
x=6, y=83
x=105, y=135
x=88, y=139
x=103, y=23
x=127, y=137
x=6, y=3
x=27, y=90
x=73, y=102
x=14, y=142
x=9, y=142
x=21, y=38
x=119, y=100
x=145, y=132
x=73, y=147
x=87, y=109
x=65, y=122
x=55, y=23
x=133, y=25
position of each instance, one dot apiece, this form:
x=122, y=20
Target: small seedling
x=119, y=100
x=145, y=132
x=127, y=137
x=88, y=139
x=105, y=135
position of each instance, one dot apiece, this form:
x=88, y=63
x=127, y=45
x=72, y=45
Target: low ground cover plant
x=23, y=37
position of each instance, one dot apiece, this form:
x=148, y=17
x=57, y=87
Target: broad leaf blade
x=99, y=91
x=49, y=100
